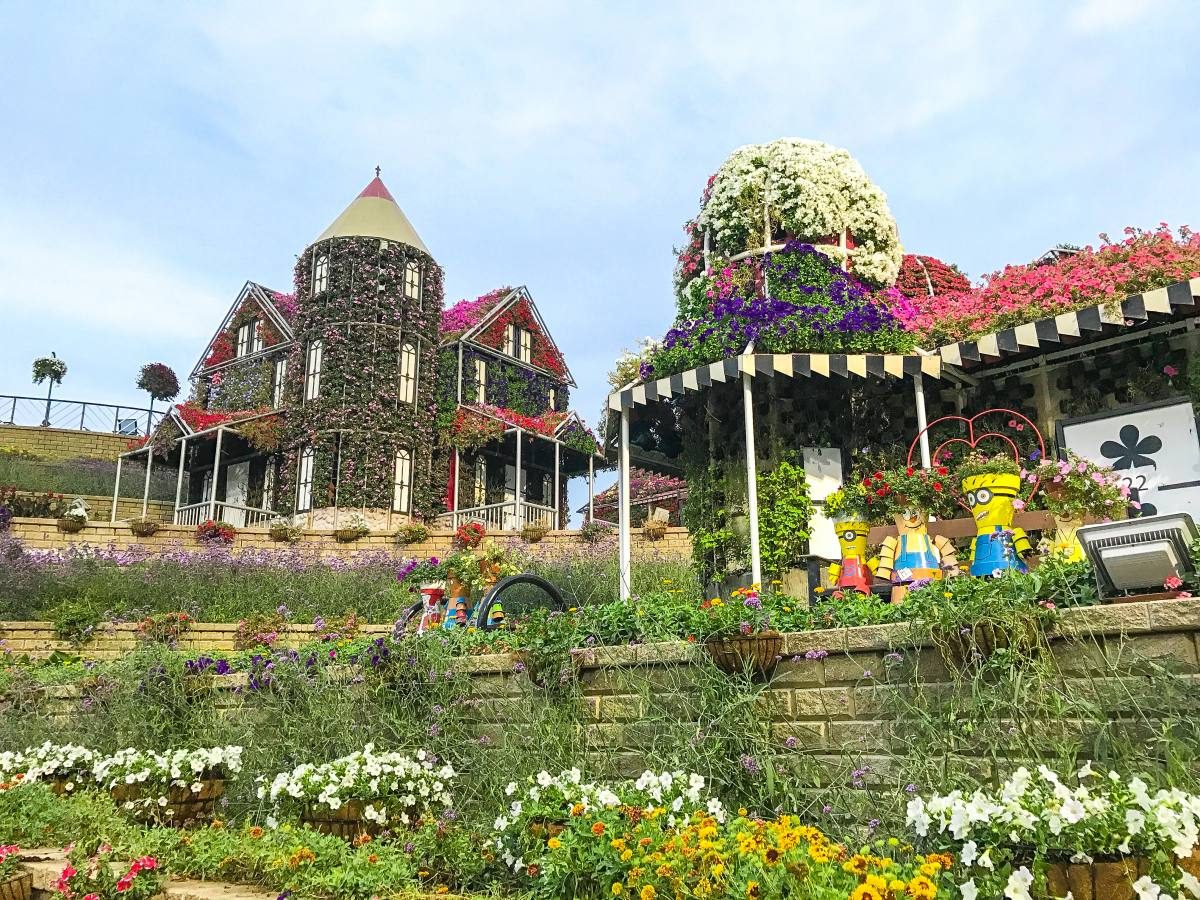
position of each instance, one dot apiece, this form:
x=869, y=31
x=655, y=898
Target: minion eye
x=848, y=535
x=970, y=498
x=983, y=496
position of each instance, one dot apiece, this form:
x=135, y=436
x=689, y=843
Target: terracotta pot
x=757, y=652
x=1100, y=880
x=18, y=887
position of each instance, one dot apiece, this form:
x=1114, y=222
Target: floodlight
x=1137, y=554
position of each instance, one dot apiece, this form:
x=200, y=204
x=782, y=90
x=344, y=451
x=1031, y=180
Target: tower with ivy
x=359, y=388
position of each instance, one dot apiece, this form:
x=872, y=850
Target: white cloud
x=1093, y=16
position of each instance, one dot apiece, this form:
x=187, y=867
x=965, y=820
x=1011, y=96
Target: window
x=408, y=373
x=402, y=483
x=553, y=398
x=320, y=274
x=480, y=380
x=244, y=334
x=548, y=490
x=277, y=380
x=304, y=480
x=510, y=339
x=312, y=372
x=206, y=487
x=526, y=337
x=412, y=281
x=481, y=481
x=268, y=495
x=256, y=341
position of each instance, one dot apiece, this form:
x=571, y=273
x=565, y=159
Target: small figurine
x=1074, y=490
x=991, y=488
x=847, y=507
x=905, y=496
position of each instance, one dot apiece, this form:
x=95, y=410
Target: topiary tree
x=52, y=369
x=161, y=383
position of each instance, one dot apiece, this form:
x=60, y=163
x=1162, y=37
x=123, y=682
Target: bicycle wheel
x=514, y=595
x=410, y=621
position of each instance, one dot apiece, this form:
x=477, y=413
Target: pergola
x=746, y=368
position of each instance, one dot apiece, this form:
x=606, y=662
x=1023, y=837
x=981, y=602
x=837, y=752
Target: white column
x=454, y=503
x=751, y=479
x=212, y=495
x=557, y=467
x=922, y=422
x=149, y=466
x=116, y=489
x=591, y=486
x=518, y=479
x=179, y=478
x=460, y=360
x=623, y=521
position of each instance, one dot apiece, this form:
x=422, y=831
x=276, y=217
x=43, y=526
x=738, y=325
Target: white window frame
x=268, y=494
x=481, y=480
x=548, y=498
x=256, y=339
x=244, y=332
x=304, y=479
x=278, y=378
x=407, y=387
x=402, y=480
x=320, y=280
x=510, y=340
x=525, y=337
x=480, y=380
x=312, y=370
x=412, y=280
x=553, y=398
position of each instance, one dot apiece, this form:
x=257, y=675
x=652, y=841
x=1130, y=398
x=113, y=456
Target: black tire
x=410, y=621
x=495, y=595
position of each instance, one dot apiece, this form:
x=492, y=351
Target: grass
x=86, y=477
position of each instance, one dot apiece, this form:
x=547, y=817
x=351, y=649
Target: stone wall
x=830, y=693
x=43, y=534
x=64, y=443
x=127, y=507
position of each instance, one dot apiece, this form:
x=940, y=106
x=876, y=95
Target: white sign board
x=823, y=472
x=1154, y=447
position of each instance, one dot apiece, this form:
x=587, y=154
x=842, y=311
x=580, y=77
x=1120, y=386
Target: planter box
x=19, y=887
x=1112, y=880
x=183, y=804
x=345, y=822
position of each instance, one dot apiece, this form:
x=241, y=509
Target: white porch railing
x=239, y=516
x=501, y=516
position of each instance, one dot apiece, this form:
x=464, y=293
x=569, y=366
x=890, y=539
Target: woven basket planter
x=71, y=525
x=345, y=822
x=1100, y=880
x=347, y=535
x=655, y=531
x=184, y=806
x=19, y=887
x=967, y=650
x=144, y=529
x=756, y=653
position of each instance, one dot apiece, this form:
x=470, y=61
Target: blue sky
x=154, y=157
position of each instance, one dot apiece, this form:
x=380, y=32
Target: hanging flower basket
x=1098, y=880
x=655, y=531
x=968, y=648
x=285, y=532
x=757, y=653
x=346, y=821
x=533, y=534
x=183, y=806
x=71, y=524
x=18, y=887
x=347, y=535
x=144, y=527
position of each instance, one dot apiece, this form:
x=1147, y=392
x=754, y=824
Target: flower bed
x=172, y=786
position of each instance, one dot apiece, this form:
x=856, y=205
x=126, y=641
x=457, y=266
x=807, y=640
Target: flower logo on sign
x=1133, y=451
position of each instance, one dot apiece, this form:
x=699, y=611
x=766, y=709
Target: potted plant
x=215, y=533
x=143, y=526
x=363, y=792
x=1093, y=834
x=904, y=497
x=654, y=530
x=50, y=369
x=161, y=383
x=90, y=873
x=64, y=767
x=847, y=508
x=1074, y=490
x=738, y=634
x=593, y=532
x=412, y=533
x=15, y=882
x=354, y=528
x=169, y=788
x=991, y=491
x=533, y=532
x=470, y=535
x=74, y=518
x=281, y=529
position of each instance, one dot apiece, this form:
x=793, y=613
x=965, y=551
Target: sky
x=156, y=156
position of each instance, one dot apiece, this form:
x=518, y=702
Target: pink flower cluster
x=465, y=313
x=1142, y=261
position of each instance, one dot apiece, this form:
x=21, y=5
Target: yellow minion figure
x=855, y=571
x=992, y=498
x=913, y=555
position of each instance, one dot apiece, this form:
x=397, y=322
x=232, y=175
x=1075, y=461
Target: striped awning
x=1173, y=301
x=790, y=365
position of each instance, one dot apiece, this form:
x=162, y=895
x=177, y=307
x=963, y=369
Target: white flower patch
x=49, y=762
x=158, y=772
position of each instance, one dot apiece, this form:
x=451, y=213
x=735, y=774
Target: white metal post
x=922, y=422
x=460, y=361
x=557, y=512
x=212, y=495
x=454, y=503
x=179, y=479
x=623, y=522
x=591, y=486
x=520, y=516
x=751, y=479
x=116, y=489
x=149, y=466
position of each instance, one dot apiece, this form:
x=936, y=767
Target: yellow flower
x=647, y=893
x=742, y=811
x=554, y=843
x=896, y=885
x=893, y=842
x=947, y=594
x=717, y=870
x=931, y=868
x=866, y=892
x=752, y=889
x=922, y=888
x=626, y=855
x=617, y=888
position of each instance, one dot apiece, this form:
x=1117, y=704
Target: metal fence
x=78, y=415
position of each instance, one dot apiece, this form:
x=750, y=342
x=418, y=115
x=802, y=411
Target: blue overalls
x=995, y=551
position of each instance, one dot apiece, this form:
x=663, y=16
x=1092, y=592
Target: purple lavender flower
x=749, y=763
x=817, y=653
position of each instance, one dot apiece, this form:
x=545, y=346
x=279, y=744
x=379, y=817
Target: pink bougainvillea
x=466, y=313
x=1142, y=261
x=286, y=304
x=921, y=276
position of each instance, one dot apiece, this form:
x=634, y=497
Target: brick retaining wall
x=64, y=443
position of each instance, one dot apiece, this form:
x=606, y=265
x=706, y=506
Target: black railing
x=78, y=415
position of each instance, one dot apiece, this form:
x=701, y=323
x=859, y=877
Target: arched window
x=320, y=274
x=412, y=280
x=312, y=372
x=481, y=481
x=408, y=373
x=304, y=480
x=402, y=481
x=277, y=381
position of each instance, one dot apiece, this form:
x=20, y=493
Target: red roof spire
x=377, y=188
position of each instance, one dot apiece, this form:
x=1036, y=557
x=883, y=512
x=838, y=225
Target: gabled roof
x=493, y=305
x=374, y=213
x=266, y=299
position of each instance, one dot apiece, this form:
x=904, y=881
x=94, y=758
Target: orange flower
x=373, y=858
x=256, y=832
x=363, y=838
x=598, y=828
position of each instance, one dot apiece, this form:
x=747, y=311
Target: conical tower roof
x=374, y=213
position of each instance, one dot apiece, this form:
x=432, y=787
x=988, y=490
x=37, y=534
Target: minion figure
x=912, y=555
x=998, y=545
x=855, y=571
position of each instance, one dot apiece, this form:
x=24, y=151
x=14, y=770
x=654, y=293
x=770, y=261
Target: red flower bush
x=211, y=532
x=470, y=535
x=222, y=350
x=922, y=276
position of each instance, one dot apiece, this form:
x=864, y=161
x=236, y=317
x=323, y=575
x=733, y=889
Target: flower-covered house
x=359, y=393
